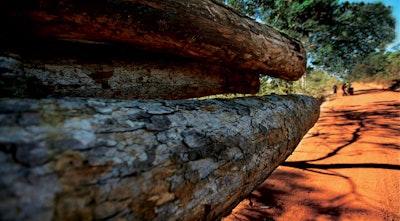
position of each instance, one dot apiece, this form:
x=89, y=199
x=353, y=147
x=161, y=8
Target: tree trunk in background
x=304, y=81
x=98, y=159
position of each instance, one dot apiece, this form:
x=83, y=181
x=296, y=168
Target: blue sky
x=395, y=11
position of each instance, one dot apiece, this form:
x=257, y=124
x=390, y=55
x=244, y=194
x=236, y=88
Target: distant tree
x=359, y=29
x=336, y=36
x=393, y=68
x=370, y=66
x=384, y=65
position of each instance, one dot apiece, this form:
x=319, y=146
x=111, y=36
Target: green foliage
x=270, y=85
x=336, y=36
x=317, y=83
x=378, y=67
x=359, y=30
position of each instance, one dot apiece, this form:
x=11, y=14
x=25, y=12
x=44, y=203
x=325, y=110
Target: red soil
x=346, y=168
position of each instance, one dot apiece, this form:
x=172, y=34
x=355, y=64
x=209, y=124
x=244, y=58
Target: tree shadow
x=359, y=118
x=366, y=91
x=269, y=199
x=305, y=165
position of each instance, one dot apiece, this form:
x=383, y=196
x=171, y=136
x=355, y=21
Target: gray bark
x=146, y=77
x=97, y=159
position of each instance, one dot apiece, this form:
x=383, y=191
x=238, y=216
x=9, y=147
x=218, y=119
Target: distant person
x=396, y=85
x=334, y=89
x=350, y=89
x=344, y=89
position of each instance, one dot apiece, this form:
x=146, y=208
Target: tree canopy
x=336, y=36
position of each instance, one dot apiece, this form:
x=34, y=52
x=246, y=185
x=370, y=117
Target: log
x=144, y=76
x=103, y=159
x=201, y=30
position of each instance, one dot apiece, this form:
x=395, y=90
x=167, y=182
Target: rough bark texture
x=146, y=77
x=209, y=34
x=104, y=159
x=97, y=159
x=196, y=29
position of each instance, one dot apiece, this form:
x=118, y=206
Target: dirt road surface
x=346, y=168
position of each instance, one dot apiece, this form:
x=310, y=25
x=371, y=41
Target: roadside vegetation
x=316, y=83
x=381, y=68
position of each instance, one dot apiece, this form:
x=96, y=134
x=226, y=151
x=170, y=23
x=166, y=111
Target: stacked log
x=168, y=49
x=79, y=142
x=102, y=159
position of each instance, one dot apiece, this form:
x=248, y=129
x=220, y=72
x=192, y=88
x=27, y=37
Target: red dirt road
x=346, y=168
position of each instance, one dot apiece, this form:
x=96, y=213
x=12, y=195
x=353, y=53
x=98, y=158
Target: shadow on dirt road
x=346, y=168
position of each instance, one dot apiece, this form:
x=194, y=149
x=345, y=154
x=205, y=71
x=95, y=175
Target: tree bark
x=201, y=30
x=147, y=76
x=102, y=159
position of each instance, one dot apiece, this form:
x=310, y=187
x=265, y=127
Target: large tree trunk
x=197, y=29
x=97, y=159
